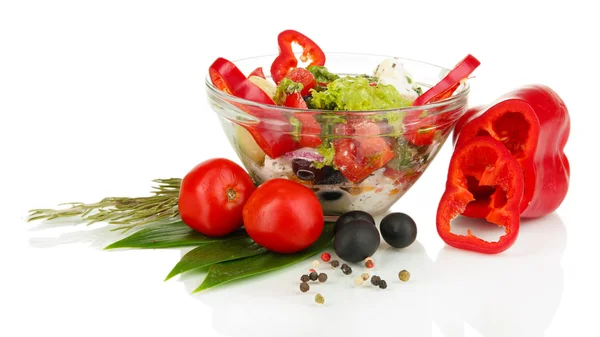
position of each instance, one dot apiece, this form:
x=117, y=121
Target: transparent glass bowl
x=415, y=136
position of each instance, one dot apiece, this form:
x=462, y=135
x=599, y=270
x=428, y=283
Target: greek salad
x=342, y=136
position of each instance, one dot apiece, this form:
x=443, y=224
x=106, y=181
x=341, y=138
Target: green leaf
x=176, y=234
x=237, y=269
x=216, y=252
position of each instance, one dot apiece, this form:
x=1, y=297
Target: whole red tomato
x=212, y=197
x=283, y=216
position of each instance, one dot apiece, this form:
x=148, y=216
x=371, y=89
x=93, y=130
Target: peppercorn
x=404, y=275
x=319, y=299
x=325, y=257
x=382, y=284
x=375, y=280
x=304, y=278
x=369, y=263
x=364, y=276
x=315, y=263
x=335, y=263
x=322, y=277
x=311, y=270
x=313, y=276
x=304, y=287
x=346, y=269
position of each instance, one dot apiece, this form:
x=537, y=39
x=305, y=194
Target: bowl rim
x=462, y=94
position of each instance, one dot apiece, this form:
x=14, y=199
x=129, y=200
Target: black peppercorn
x=322, y=277
x=335, y=263
x=313, y=276
x=304, y=278
x=382, y=284
x=346, y=269
x=375, y=280
x=304, y=287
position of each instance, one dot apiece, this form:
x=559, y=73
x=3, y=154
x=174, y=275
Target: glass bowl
x=410, y=136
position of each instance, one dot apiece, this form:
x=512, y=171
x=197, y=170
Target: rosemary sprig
x=123, y=211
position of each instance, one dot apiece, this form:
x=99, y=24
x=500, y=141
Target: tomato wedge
x=450, y=82
x=275, y=142
x=286, y=60
x=310, y=129
x=301, y=75
x=357, y=158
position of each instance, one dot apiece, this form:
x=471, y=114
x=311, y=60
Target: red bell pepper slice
x=301, y=75
x=359, y=156
x=450, y=82
x=286, y=60
x=491, y=166
x=533, y=123
x=275, y=141
x=422, y=131
x=257, y=72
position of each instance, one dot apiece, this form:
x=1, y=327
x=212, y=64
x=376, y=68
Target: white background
x=99, y=97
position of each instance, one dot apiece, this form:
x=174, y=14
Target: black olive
x=330, y=195
x=348, y=217
x=328, y=176
x=398, y=230
x=302, y=169
x=356, y=241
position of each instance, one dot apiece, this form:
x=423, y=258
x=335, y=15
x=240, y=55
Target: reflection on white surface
x=512, y=294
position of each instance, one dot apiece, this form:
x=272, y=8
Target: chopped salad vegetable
x=361, y=150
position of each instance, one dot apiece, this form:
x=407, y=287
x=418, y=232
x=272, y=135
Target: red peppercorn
x=369, y=264
x=312, y=271
x=325, y=257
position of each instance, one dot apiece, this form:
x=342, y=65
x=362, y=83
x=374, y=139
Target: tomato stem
x=231, y=194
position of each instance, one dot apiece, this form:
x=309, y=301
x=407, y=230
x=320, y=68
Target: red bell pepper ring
x=301, y=75
x=450, y=82
x=257, y=72
x=275, y=141
x=533, y=123
x=358, y=157
x=287, y=60
x=488, y=162
x=423, y=130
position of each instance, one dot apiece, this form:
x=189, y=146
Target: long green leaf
x=216, y=252
x=237, y=269
x=176, y=234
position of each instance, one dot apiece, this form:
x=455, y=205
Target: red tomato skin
x=283, y=216
x=212, y=197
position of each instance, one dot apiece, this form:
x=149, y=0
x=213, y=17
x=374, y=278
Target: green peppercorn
x=382, y=284
x=304, y=287
x=304, y=278
x=365, y=276
x=346, y=269
x=319, y=299
x=335, y=263
x=322, y=277
x=375, y=280
x=404, y=275
x=313, y=276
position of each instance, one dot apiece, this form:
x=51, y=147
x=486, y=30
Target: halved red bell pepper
x=533, y=124
x=272, y=131
x=423, y=130
x=287, y=60
x=357, y=157
x=486, y=162
x=257, y=72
